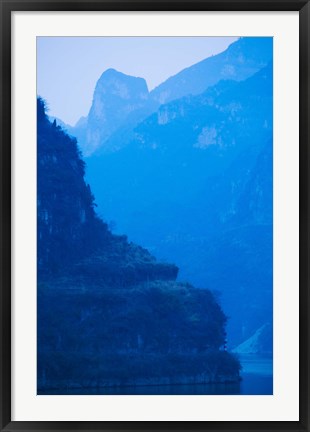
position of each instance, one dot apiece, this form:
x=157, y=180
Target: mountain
x=121, y=102
x=118, y=99
x=195, y=184
x=65, y=205
x=238, y=260
x=69, y=230
x=198, y=150
x=259, y=342
x=239, y=61
x=108, y=313
x=64, y=126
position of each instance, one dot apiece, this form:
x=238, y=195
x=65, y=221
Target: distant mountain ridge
x=195, y=139
x=120, y=102
x=195, y=182
x=240, y=60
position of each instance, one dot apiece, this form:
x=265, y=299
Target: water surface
x=256, y=379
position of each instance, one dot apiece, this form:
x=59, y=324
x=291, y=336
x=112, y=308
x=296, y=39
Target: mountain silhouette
x=189, y=177
x=108, y=313
x=120, y=102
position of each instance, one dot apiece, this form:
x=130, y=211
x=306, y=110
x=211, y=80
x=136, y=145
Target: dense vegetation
x=68, y=227
x=151, y=333
x=109, y=314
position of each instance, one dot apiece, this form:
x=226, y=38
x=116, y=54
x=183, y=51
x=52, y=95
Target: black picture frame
x=7, y=7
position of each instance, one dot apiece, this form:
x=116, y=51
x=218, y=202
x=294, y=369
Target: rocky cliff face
x=117, y=99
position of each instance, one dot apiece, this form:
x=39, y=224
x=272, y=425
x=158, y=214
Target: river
x=256, y=379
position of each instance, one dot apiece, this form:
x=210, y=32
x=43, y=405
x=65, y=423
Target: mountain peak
x=112, y=73
x=116, y=97
x=121, y=101
x=121, y=84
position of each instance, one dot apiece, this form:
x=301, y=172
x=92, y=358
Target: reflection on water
x=252, y=364
x=255, y=384
x=256, y=376
x=188, y=389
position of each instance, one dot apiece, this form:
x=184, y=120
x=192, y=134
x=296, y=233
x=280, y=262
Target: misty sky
x=69, y=67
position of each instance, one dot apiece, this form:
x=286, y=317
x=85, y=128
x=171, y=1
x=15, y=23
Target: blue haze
x=185, y=171
x=69, y=67
x=193, y=182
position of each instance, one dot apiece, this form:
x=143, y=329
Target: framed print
x=154, y=215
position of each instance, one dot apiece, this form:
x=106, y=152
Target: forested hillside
x=109, y=314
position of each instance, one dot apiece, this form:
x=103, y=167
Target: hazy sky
x=69, y=67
